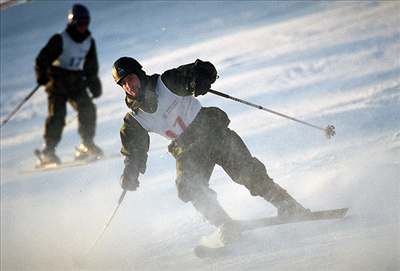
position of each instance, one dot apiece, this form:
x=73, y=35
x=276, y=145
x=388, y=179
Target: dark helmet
x=125, y=66
x=78, y=15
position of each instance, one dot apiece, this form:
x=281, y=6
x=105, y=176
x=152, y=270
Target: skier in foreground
x=200, y=137
x=67, y=65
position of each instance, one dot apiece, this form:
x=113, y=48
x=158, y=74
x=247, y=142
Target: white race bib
x=73, y=54
x=174, y=113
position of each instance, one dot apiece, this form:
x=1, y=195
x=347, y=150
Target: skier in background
x=66, y=66
x=200, y=137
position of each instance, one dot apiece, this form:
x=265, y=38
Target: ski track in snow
x=325, y=63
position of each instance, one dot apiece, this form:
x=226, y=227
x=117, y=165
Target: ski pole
x=107, y=223
x=329, y=130
x=71, y=120
x=19, y=105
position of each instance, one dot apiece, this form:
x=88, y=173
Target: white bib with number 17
x=174, y=113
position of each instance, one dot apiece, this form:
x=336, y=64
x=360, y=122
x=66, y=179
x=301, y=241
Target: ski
x=207, y=251
x=276, y=220
x=66, y=164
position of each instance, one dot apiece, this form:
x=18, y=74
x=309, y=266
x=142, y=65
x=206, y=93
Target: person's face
x=82, y=25
x=81, y=28
x=131, y=85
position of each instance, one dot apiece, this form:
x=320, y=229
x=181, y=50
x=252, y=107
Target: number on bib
x=75, y=61
x=178, y=122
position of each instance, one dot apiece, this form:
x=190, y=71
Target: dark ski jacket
x=58, y=79
x=135, y=139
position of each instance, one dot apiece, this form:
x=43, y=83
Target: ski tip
x=330, y=214
x=341, y=210
x=203, y=251
x=345, y=210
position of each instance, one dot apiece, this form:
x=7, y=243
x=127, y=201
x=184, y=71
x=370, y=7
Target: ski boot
x=47, y=157
x=88, y=152
x=291, y=208
x=227, y=236
x=286, y=205
x=229, y=233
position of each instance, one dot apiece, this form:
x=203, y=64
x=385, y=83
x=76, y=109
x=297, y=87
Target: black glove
x=42, y=79
x=205, y=75
x=94, y=86
x=129, y=178
x=201, y=86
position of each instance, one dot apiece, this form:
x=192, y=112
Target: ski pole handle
x=329, y=130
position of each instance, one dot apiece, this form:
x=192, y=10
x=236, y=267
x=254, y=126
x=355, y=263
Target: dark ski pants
x=195, y=163
x=57, y=110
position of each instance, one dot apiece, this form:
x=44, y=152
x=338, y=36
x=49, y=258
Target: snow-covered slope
x=327, y=63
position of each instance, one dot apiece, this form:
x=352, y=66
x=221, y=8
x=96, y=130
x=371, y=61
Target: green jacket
x=135, y=139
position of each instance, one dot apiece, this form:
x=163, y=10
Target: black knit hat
x=78, y=14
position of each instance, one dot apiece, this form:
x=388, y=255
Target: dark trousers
x=57, y=110
x=195, y=161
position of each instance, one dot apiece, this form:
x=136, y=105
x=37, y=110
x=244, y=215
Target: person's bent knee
x=57, y=117
x=87, y=108
x=184, y=190
x=191, y=191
